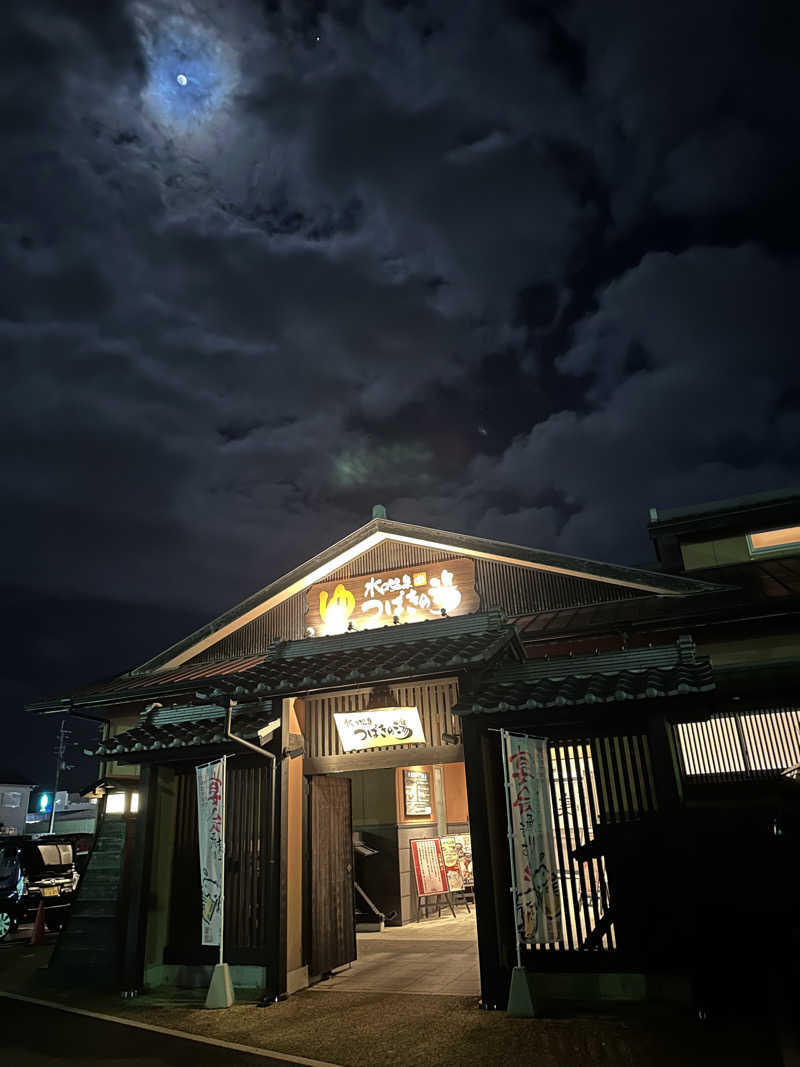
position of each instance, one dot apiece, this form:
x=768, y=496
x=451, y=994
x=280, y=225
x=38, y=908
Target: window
x=134, y=802
x=115, y=804
x=774, y=540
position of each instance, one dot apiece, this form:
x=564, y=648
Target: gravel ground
x=381, y=1030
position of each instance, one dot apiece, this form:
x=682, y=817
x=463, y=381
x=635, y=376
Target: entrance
x=405, y=942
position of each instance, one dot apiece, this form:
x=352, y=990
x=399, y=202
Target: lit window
x=134, y=802
x=770, y=540
x=115, y=803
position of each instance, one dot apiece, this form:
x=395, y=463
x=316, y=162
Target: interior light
x=767, y=539
x=115, y=804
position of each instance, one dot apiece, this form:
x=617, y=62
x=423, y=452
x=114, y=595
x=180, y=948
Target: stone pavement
x=436, y=956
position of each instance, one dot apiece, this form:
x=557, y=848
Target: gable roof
x=379, y=530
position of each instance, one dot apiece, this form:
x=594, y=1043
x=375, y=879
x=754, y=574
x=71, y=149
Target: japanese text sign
x=411, y=595
x=376, y=729
x=429, y=869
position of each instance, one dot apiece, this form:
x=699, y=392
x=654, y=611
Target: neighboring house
x=15, y=791
x=369, y=685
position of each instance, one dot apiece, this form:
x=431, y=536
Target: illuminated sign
x=378, y=729
x=417, y=792
x=427, y=591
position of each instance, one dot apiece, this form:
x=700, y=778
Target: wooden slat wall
x=520, y=590
x=740, y=745
x=434, y=700
x=245, y=869
x=626, y=788
x=583, y=884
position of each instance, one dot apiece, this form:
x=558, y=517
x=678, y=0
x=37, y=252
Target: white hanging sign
x=538, y=901
x=379, y=728
x=211, y=835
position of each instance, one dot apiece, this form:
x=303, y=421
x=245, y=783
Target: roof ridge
x=402, y=633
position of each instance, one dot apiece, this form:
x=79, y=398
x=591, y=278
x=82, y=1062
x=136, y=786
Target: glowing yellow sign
x=392, y=596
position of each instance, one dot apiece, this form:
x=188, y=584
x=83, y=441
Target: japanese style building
x=363, y=692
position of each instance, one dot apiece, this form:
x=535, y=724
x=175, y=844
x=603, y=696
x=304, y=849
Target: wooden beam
x=369, y=761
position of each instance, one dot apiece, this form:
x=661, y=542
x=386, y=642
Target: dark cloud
x=522, y=270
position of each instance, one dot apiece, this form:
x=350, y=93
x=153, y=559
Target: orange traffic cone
x=37, y=937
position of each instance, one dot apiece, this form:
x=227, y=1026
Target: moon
x=182, y=79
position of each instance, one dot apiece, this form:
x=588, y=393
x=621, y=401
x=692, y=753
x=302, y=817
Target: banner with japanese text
x=538, y=900
x=211, y=834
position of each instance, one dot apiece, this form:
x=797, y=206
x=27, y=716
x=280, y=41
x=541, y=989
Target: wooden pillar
x=664, y=761
x=490, y=860
x=282, y=823
x=138, y=875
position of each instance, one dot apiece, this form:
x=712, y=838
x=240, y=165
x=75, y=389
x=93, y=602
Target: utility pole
x=63, y=734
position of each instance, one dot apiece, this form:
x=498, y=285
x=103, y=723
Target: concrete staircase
x=88, y=950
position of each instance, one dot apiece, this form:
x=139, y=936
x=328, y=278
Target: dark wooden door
x=333, y=931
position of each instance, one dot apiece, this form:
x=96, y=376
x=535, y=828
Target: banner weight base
x=220, y=992
x=520, y=997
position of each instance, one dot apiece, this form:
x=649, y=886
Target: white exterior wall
x=13, y=816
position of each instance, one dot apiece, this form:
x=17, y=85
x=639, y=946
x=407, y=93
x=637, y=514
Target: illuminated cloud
x=191, y=70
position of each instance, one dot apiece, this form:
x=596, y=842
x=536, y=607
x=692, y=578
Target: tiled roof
x=638, y=674
x=188, y=727
x=361, y=658
x=763, y=585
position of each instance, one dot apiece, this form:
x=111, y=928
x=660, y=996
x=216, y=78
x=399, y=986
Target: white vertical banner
x=530, y=817
x=211, y=833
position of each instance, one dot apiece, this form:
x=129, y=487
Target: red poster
x=429, y=869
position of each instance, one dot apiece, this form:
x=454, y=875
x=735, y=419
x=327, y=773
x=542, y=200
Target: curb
x=287, y=1057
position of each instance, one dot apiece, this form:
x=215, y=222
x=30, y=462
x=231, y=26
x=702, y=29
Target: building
x=364, y=692
x=15, y=791
x=74, y=814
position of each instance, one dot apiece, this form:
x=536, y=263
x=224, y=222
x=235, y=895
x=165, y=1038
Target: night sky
x=521, y=270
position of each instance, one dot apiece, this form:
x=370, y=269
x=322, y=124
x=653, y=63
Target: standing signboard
x=211, y=834
x=530, y=823
x=429, y=869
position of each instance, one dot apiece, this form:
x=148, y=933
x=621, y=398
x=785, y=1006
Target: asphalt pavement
x=32, y=1035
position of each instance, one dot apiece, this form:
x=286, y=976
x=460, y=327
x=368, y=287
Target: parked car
x=32, y=872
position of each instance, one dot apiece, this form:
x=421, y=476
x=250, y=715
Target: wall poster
x=457, y=854
x=417, y=792
x=429, y=869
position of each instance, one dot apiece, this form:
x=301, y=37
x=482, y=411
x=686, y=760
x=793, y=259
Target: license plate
x=50, y=891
